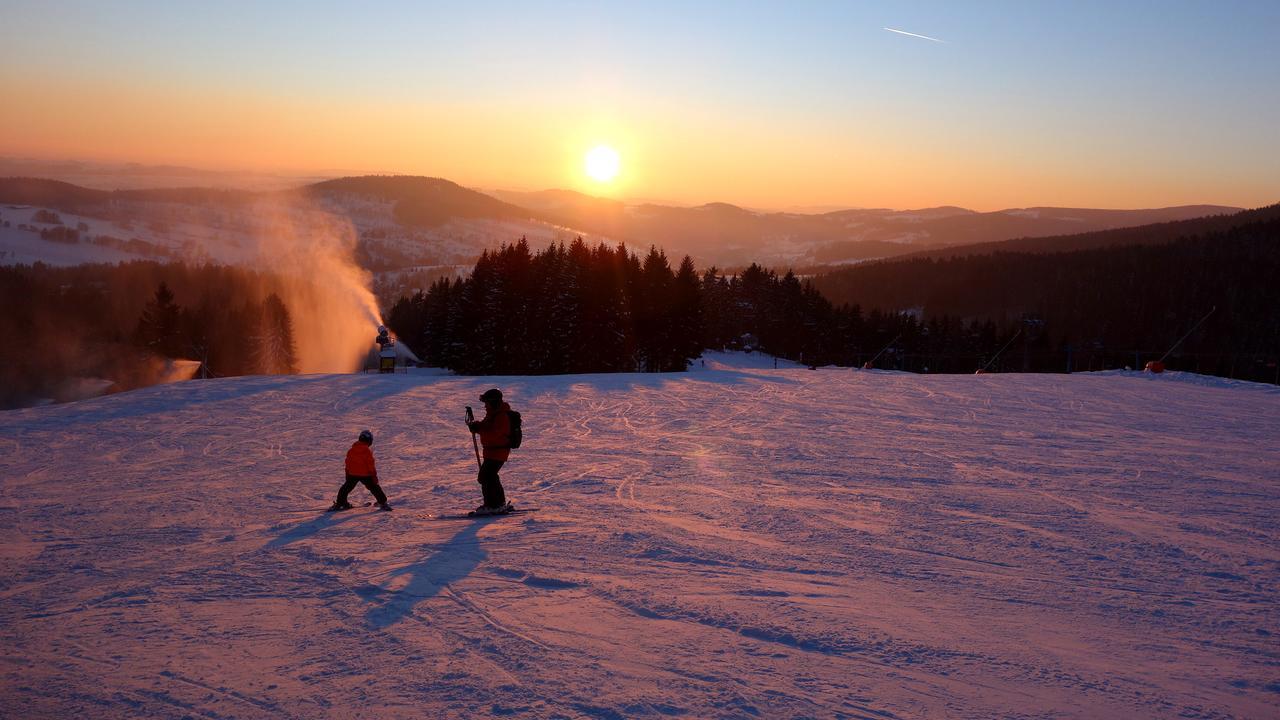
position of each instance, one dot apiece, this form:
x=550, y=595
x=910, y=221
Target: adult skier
x=360, y=469
x=495, y=437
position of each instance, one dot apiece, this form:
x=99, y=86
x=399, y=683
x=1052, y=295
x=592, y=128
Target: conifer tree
x=159, y=328
x=274, y=352
x=686, y=315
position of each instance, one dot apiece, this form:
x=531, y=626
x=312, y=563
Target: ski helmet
x=493, y=394
x=366, y=437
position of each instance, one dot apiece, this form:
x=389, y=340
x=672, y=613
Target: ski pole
x=474, y=443
x=1184, y=337
x=886, y=347
x=1006, y=346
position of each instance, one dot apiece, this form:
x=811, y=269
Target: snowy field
x=732, y=542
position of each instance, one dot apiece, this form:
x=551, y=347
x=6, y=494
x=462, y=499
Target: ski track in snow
x=734, y=542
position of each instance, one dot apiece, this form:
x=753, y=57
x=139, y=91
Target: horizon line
x=320, y=175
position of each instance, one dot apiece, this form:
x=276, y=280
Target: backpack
x=516, y=434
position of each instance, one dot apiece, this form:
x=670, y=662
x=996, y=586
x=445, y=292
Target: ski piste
x=327, y=509
x=471, y=516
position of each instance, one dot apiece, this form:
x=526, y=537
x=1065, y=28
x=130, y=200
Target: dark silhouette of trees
x=272, y=345
x=159, y=329
x=603, y=309
x=575, y=308
x=1096, y=308
x=116, y=322
x=566, y=309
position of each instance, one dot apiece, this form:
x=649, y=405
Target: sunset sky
x=770, y=105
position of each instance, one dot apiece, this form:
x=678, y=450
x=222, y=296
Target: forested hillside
x=1130, y=298
x=78, y=331
x=580, y=309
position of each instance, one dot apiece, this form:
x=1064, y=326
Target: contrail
x=922, y=37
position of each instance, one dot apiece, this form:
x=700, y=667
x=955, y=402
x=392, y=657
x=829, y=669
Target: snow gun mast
x=386, y=350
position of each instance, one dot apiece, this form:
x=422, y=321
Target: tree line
x=120, y=324
x=576, y=308
x=1105, y=307
x=566, y=309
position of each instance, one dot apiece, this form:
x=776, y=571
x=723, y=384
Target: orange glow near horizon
x=766, y=106
x=681, y=158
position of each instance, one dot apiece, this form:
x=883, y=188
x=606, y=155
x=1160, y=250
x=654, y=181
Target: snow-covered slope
x=731, y=542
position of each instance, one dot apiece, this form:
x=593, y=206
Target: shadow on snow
x=307, y=528
x=452, y=561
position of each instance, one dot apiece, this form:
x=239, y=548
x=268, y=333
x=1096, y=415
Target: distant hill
x=49, y=193
x=731, y=235
x=1206, y=218
x=73, y=198
x=419, y=201
x=423, y=201
x=714, y=234
x=130, y=176
x=568, y=204
x=1221, y=258
x=406, y=230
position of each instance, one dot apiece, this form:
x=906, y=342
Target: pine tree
x=273, y=347
x=686, y=315
x=159, y=328
x=654, y=314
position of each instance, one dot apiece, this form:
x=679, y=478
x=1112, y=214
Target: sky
x=770, y=105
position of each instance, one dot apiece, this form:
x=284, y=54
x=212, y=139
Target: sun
x=602, y=163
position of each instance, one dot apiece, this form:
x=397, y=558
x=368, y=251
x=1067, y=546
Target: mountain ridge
x=718, y=233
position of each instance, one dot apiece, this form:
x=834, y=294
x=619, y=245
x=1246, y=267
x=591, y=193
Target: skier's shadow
x=307, y=528
x=453, y=560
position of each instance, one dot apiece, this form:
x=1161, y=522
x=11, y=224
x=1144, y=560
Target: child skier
x=360, y=469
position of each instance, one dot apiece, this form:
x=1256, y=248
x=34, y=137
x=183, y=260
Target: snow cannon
x=386, y=351
x=1155, y=367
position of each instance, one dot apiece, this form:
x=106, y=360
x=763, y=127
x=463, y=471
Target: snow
x=714, y=360
x=732, y=542
x=21, y=246
x=181, y=231
x=244, y=236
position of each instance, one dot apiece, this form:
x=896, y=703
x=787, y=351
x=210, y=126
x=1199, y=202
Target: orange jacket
x=360, y=461
x=495, y=432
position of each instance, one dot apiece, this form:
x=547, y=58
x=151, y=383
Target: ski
x=353, y=507
x=471, y=516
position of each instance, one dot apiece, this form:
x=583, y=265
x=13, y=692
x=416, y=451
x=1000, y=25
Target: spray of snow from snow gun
x=329, y=296
x=312, y=254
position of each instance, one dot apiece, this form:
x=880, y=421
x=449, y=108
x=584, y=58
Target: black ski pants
x=490, y=484
x=370, y=482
